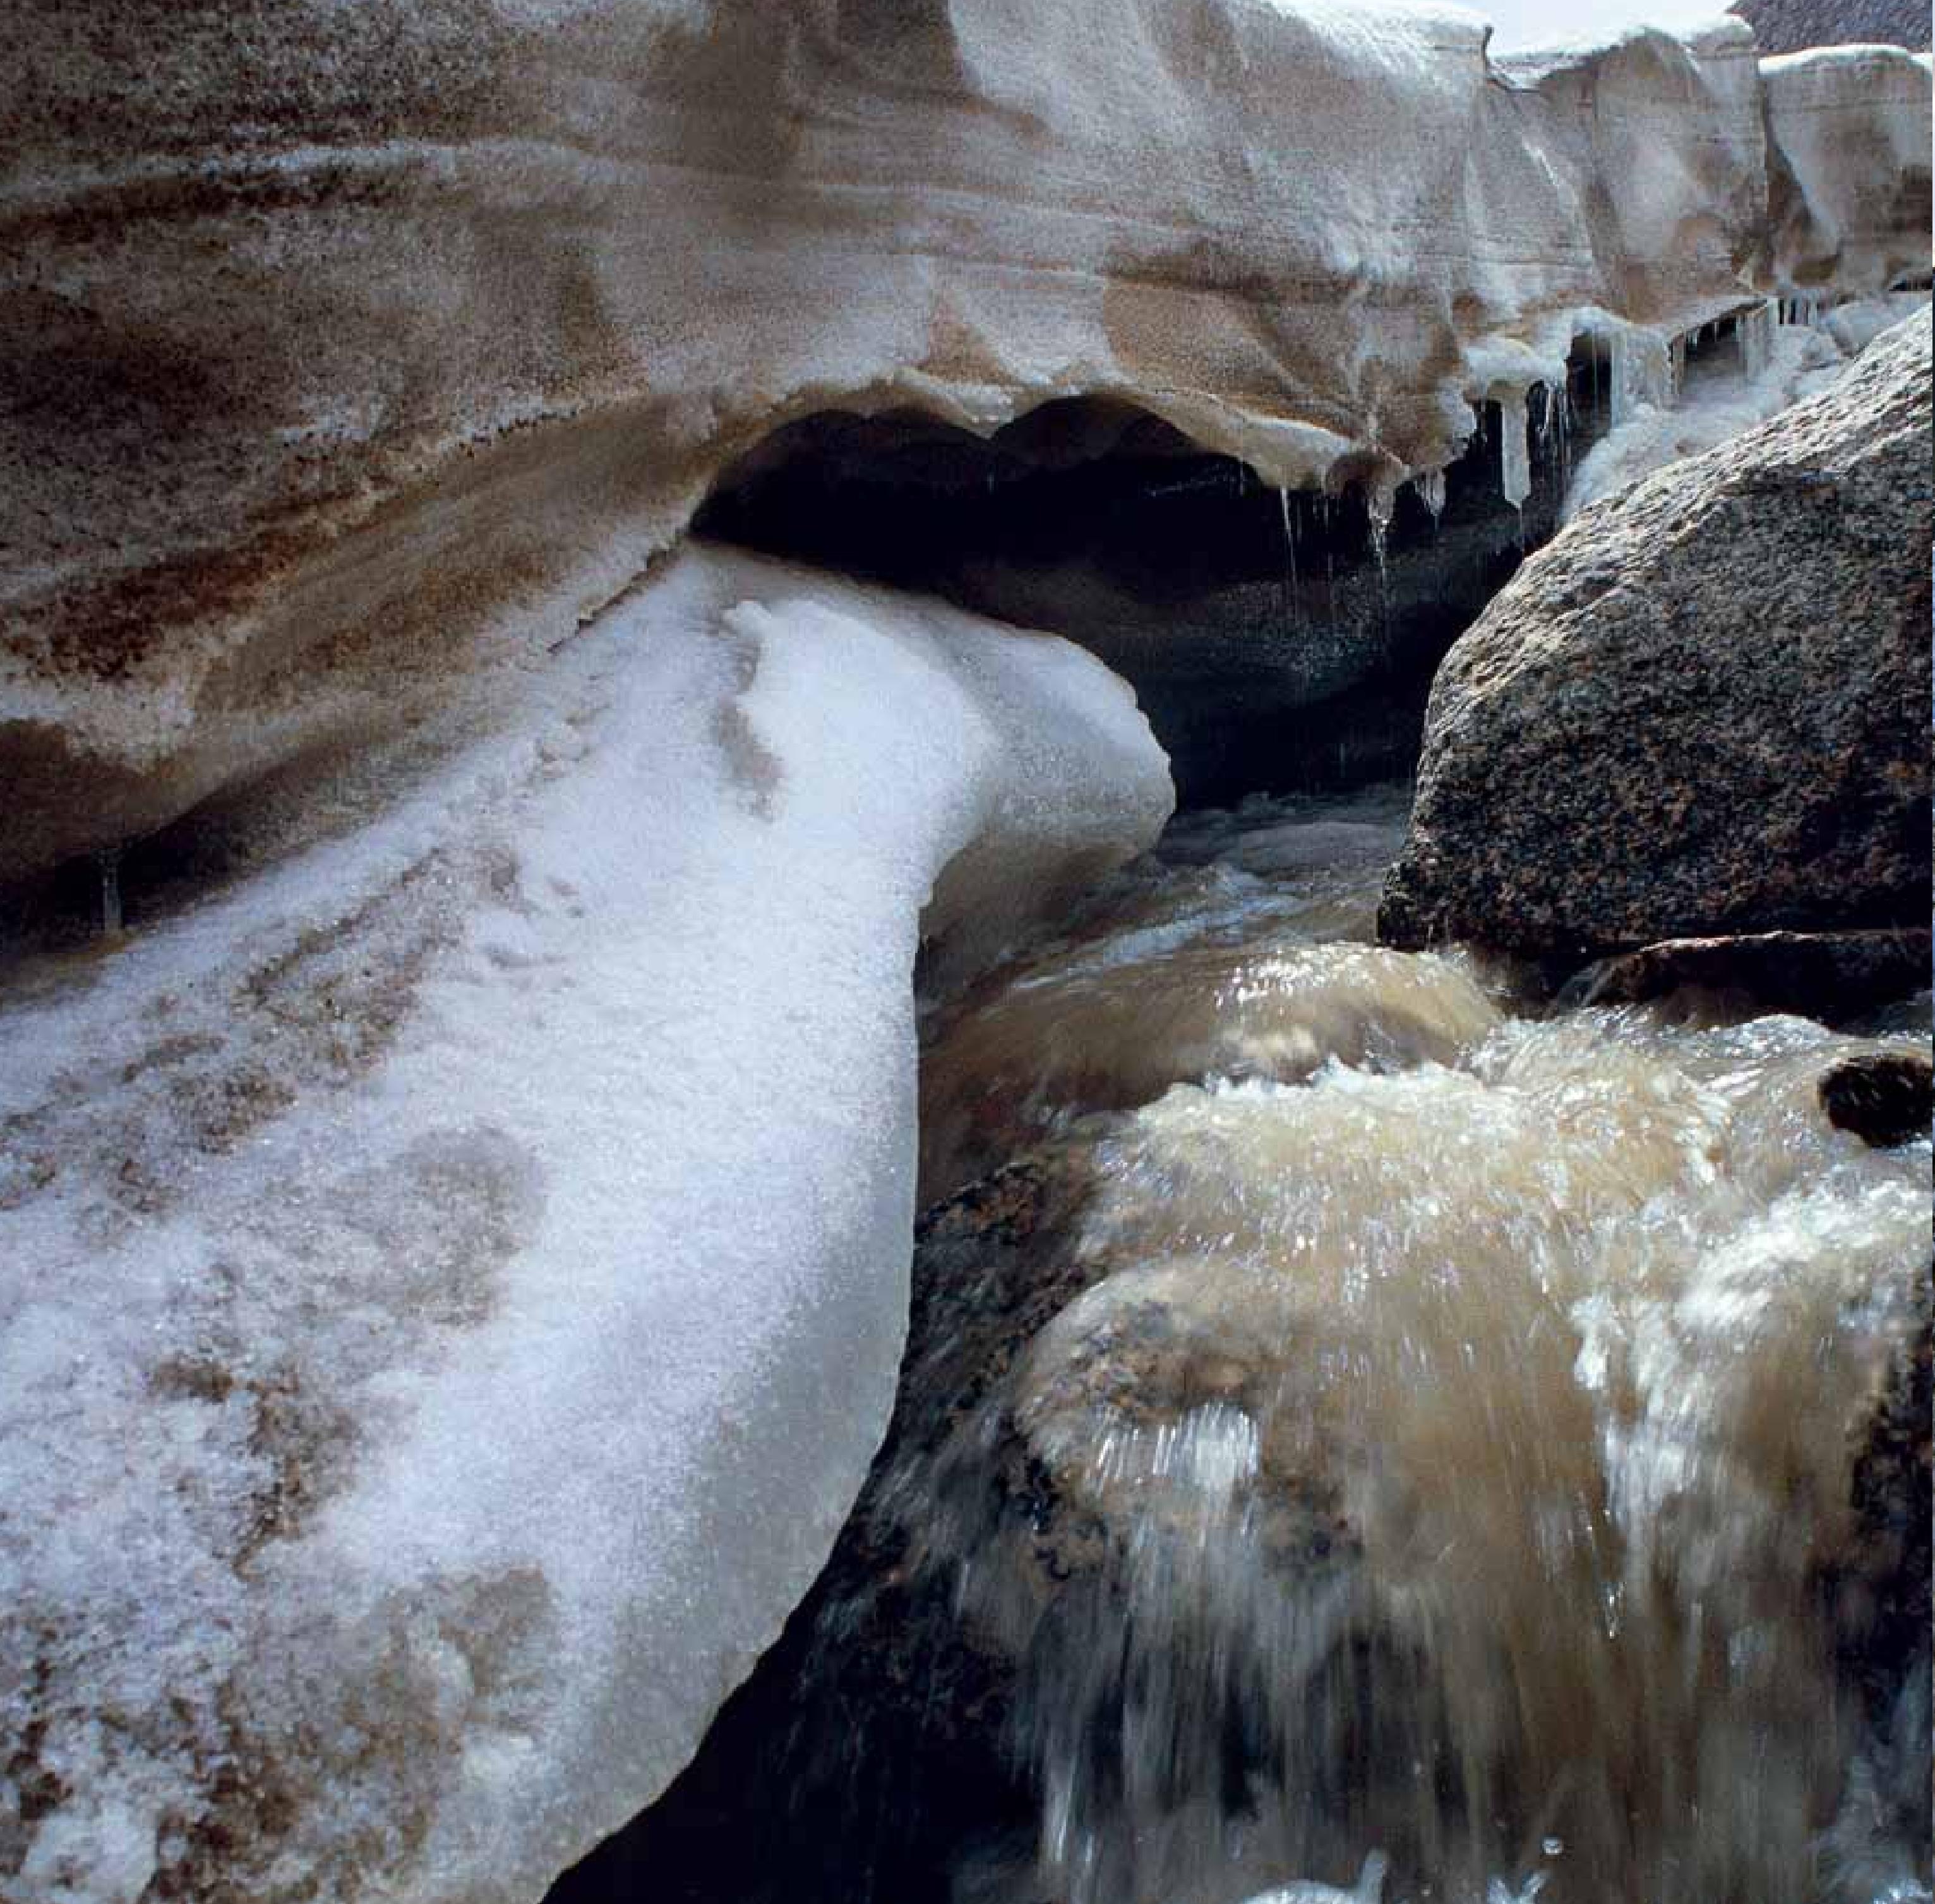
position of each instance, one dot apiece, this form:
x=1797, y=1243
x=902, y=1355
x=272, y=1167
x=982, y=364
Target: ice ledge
x=460, y=1275
x=504, y=287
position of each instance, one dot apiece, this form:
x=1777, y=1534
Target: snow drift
x=456, y=1280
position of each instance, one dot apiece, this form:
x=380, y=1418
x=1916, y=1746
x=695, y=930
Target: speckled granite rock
x=1704, y=708
x=1790, y=25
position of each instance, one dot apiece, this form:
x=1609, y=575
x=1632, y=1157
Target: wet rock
x=1834, y=976
x=1884, y=1098
x=1703, y=707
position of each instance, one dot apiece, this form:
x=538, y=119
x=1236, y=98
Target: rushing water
x=1454, y=1449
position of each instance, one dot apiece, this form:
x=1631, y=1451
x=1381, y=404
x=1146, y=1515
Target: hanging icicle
x=1514, y=448
x=108, y=861
x=1755, y=329
x=1429, y=484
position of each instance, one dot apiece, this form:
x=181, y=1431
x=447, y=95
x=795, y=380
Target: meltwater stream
x=1362, y=1434
x=1466, y=1443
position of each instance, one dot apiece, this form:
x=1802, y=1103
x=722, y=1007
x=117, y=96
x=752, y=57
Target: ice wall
x=1849, y=134
x=456, y=1281
x=351, y=348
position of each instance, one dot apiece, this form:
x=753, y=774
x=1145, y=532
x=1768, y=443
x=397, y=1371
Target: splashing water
x=1454, y=1449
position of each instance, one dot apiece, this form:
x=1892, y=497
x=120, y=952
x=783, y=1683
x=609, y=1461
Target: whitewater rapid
x=1460, y=1448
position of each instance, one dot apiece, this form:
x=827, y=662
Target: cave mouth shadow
x=1276, y=641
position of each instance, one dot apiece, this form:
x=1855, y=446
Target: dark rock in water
x=1884, y=1098
x=1834, y=976
x=1703, y=707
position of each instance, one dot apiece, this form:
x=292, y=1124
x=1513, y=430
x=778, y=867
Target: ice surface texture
x=505, y=285
x=455, y=1281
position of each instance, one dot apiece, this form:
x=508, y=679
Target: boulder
x=1704, y=708
x=1884, y=1098
x=1835, y=976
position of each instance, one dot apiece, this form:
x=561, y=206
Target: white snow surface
x=456, y=1278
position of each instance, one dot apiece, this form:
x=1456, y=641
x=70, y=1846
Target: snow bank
x=456, y=1279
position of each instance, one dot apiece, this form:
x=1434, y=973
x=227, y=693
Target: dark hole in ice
x=1273, y=646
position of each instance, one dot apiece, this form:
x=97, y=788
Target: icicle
x=1754, y=328
x=1330, y=558
x=1677, y=368
x=1642, y=373
x=1514, y=448
x=1555, y=426
x=108, y=860
x=1377, y=507
x=1292, y=587
x=1430, y=486
x=1378, y=502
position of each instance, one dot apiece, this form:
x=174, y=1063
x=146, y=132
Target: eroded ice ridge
x=599, y=250
x=456, y=1280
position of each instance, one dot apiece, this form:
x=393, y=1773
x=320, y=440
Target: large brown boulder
x=1704, y=708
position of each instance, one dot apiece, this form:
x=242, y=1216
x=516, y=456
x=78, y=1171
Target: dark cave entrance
x=1274, y=646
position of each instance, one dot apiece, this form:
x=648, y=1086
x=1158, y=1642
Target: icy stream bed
x=1363, y=1428
x=1470, y=1396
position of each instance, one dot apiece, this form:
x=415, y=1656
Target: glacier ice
x=456, y=1274
x=1756, y=329
x=1514, y=448
x=476, y=353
